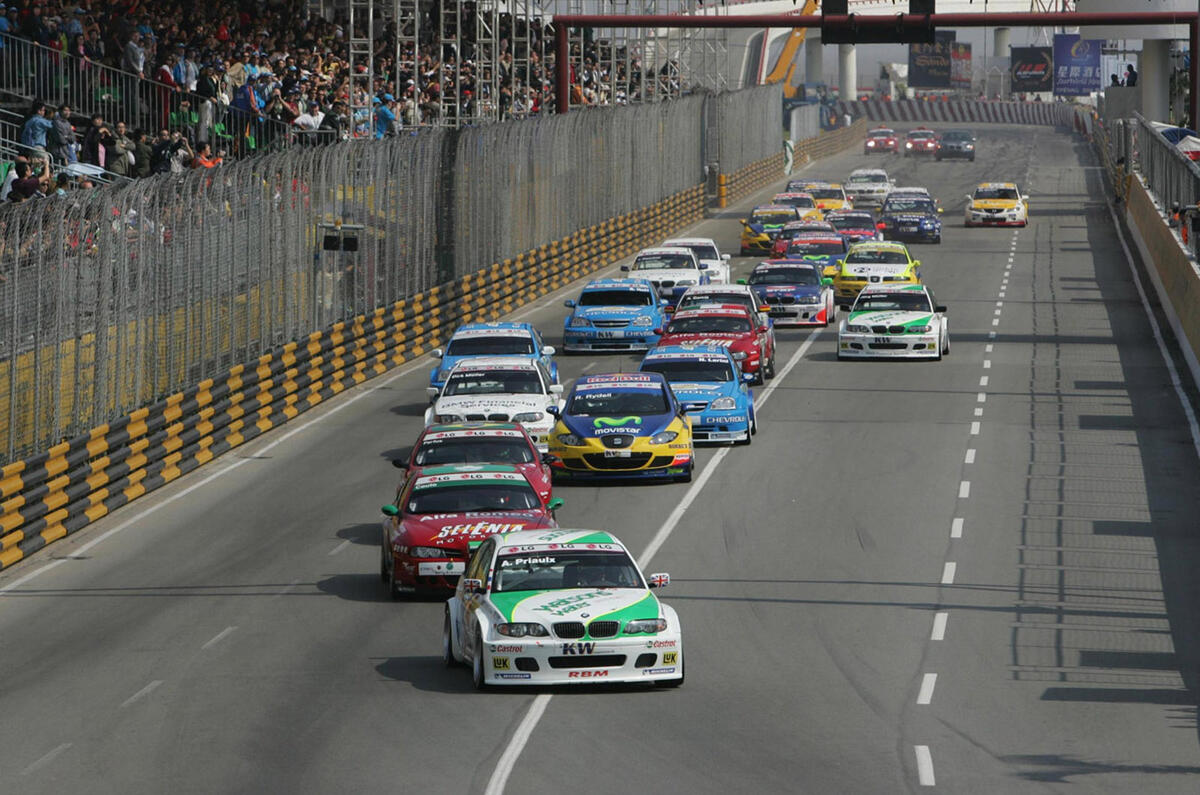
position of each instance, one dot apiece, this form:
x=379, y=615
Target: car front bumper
x=889, y=346
x=799, y=314
x=631, y=338
x=995, y=219
x=636, y=658
x=714, y=427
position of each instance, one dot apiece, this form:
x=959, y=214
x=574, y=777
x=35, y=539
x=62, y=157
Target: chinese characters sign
x=1076, y=65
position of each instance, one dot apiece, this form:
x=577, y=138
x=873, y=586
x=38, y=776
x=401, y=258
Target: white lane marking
x=988, y=348
x=956, y=527
x=996, y=321
x=998, y=311
x=525, y=728
x=45, y=760
x=969, y=458
x=1001, y=295
x=220, y=636
x=939, y=625
x=340, y=547
x=350, y=400
x=927, y=684
x=1158, y=337
x=983, y=380
x=978, y=412
x=924, y=766
x=588, y=367
x=981, y=397
x=964, y=490
x=286, y=589
x=145, y=691
x=987, y=364
x=975, y=426
x=999, y=303
x=948, y=572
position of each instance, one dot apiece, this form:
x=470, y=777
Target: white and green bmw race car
x=889, y=320
x=542, y=607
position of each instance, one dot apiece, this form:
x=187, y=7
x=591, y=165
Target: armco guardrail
x=961, y=111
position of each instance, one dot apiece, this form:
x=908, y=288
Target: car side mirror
x=390, y=510
x=432, y=392
x=556, y=389
x=749, y=377
x=658, y=331
x=670, y=310
x=741, y=281
x=725, y=257
x=827, y=282
x=625, y=268
x=437, y=353
x=841, y=262
x=549, y=350
x=940, y=211
x=550, y=459
x=398, y=464
x=763, y=329
x=553, y=410
x=916, y=263
x=569, y=303
x=556, y=503
x=941, y=309
x=472, y=586
x=970, y=197
x=703, y=266
x=660, y=580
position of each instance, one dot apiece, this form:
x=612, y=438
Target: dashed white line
x=924, y=766
x=988, y=348
x=928, y=682
x=991, y=335
x=969, y=458
x=1001, y=295
x=145, y=691
x=948, y=572
x=220, y=636
x=983, y=380
x=939, y=626
x=975, y=426
x=956, y=527
x=981, y=397
x=340, y=547
x=45, y=760
x=978, y=412
x=999, y=303
x=587, y=367
x=998, y=311
x=996, y=321
x=987, y=364
x=964, y=490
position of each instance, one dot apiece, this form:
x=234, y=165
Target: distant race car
x=492, y=339
x=797, y=292
x=868, y=187
x=481, y=443
x=996, y=204
x=440, y=512
x=613, y=315
x=820, y=249
x=731, y=326
x=828, y=196
x=895, y=322
x=712, y=388
x=763, y=224
x=498, y=389
x=874, y=263
x=911, y=217
x=716, y=264
x=920, y=141
x=561, y=607
x=881, y=139
x=790, y=230
x=739, y=294
x=804, y=202
x=670, y=269
x=855, y=226
x=955, y=143
x=622, y=425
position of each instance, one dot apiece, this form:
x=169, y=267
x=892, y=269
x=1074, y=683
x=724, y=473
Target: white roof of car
x=676, y=242
x=658, y=251
x=499, y=362
x=894, y=288
x=910, y=191
x=867, y=172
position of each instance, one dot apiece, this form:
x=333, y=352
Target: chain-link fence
x=748, y=126
x=1170, y=175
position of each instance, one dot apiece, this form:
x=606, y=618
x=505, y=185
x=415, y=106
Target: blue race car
x=795, y=290
x=614, y=315
x=712, y=388
x=492, y=339
x=910, y=217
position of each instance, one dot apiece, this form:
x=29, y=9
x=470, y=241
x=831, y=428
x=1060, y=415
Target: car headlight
x=426, y=552
x=685, y=282
x=529, y=416
x=970, y=146
x=854, y=328
x=640, y=626
x=448, y=418
x=895, y=278
x=571, y=440
x=908, y=145
x=522, y=629
x=723, y=404
x=809, y=299
x=663, y=437
x=919, y=329
x=642, y=321
x=580, y=322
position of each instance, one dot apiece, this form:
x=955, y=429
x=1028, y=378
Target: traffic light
x=905, y=30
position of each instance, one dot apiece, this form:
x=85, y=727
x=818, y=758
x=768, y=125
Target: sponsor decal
x=543, y=561
x=660, y=644
x=611, y=422
x=587, y=674
x=477, y=529
x=460, y=477
x=508, y=649
x=658, y=671
x=578, y=648
x=439, y=435
x=512, y=676
x=569, y=604
x=500, y=663
x=671, y=658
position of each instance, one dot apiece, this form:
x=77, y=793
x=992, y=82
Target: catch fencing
x=748, y=126
x=1171, y=176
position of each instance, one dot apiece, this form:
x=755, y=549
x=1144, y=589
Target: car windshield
x=877, y=257
x=616, y=298
x=997, y=193
x=685, y=370
x=741, y=299
x=806, y=247
x=701, y=324
x=951, y=135
x=903, y=302
x=804, y=202
x=558, y=569
x=492, y=344
x=869, y=178
x=920, y=134
x=804, y=276
x=702, y=250
x=844, y=222
x=499, y=450
x=468, y=497
x=618, y=404
x=913, y=205
x=772, y=217
x=882, y=133
x=663, y=262
x=494, y=382
x=827, y=193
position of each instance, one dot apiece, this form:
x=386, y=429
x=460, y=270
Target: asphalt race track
x=978, y=573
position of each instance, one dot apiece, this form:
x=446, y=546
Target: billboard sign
x=960, y=64
x=929, y=64
x=1076, y=65
x=1032, y=69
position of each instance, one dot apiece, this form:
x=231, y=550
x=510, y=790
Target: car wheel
x=477, y=675
x=938, y=240
x=972, y=158
x=771, y=366
x=393, y=586
x=751, y=429
x=447, y=642
x=383, y=567
x=674, y=682
x=946, y=345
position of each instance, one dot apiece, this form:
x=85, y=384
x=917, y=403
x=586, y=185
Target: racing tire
x=477, y=676
x=383, y=569
x=393, y=587
x=447, y=643
x=674, y=682
x=946, y=346
x=1025, y=223
x=971, y=158
x=751, y=429
x=769, y=370
x=937, y=240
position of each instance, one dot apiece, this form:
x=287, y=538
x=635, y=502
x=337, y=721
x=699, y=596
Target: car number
x=610, y=334
x=618, y=453
x=908, y=229
x=882, y=340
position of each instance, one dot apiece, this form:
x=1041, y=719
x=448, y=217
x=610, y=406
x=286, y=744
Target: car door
x=469, y=603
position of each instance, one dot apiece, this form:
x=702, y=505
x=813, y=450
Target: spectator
x=133, y=57
x=1116, y=81
x=385, y=116
x=62, y=183
x=35, y=131
x=182, y=154
x=143, y=156
x=1131, y=75
x=62, y=137
x=205, y=158
x=95, y=139
x=11, y=177
x=32, y=180
x=160, y=153
x=120, y=158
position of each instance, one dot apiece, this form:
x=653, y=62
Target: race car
x=763, y=224
x=622, y=425
x=441, y=512
x=739, y=294
x=873, y=263
x=828, y=196
x=912, y=217
x=492, y=339
x=881, y=139
x=670, y=270
x=711, y=258
x=712, y=388
x=955, y=143
x=498, y=389
x=868, y=186
x=730, y=325
x=920, y=141
x=561, y=607
x=613, y=315
x=790, y=230
x=996, y=204
x=804, y=202
x=854, y=226
x=895, y=322
x=821, y=249
x=797, y=291
x=481, y=443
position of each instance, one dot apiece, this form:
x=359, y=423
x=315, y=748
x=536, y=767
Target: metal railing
x=1171, y=176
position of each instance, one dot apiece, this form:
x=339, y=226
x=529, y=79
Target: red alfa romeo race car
x=482, y=443
x=881, y=139
x=731, y=326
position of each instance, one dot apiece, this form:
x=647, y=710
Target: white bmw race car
x=542, y=607
x=498, y=389
x=705, y=249
x=894, y=321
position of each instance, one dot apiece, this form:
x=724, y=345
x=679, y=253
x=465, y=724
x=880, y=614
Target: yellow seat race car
x=996, y=204
x=761, y=227
x=828, y=196
x=873, y=262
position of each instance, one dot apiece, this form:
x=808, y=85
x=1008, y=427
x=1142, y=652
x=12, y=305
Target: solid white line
x=956, y=527
x=964, y=490
x=987, y=364
x=220, y=636
x=521, y=736
x=975, y=425
x=983, y=380
x=978, y=412
x=924, y=766
x=970, y=456
x=948, y=572
x=927, y=684
x=145, y=691
x=939, y=626
x=981, y=397
x=45, y=760
x=340, y=547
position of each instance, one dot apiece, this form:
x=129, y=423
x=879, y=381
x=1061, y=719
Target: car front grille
x=603, y=629
x=610, y=323
x=487, y=417
x=781, y=299
x=569, y=629
x=634, y=461
x=887, y=346
x=617, y=441
x=588, y=661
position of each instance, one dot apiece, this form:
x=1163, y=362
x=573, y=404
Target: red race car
x=441, y=513
x=920, y=141
x=794, y=228
x=854, y=226
x=881, y=139
x=482, y=443
x=728, y=325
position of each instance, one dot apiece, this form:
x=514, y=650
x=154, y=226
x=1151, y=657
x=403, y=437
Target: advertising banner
x=1032, y=69
x=1076, y=65
x=929, y=64
x=960, y=64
